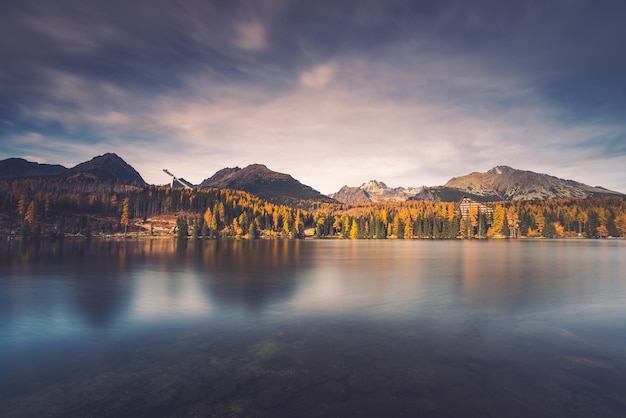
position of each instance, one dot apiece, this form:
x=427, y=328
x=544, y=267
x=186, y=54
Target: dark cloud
x=149, y=44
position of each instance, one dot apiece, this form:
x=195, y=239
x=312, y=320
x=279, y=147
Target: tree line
x=53, y=207
x=31, y=207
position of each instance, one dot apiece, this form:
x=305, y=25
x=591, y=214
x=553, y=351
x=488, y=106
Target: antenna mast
x=176, y=179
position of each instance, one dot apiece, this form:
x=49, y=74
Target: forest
x=32, y=208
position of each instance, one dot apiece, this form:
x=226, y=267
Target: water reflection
x=65, y=281
x=104, y=284
x=164, y=295
x=252, y=274
x=109, y=284
x=292, y=328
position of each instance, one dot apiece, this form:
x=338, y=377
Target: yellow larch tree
x=354, y=230
x=31, y=215
x=498, y=220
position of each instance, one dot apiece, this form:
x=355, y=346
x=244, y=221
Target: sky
x=408, y=92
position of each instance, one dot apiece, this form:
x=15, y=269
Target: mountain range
x=506, y=183
x=374, y=191
x=499, y=183
x=104, y=167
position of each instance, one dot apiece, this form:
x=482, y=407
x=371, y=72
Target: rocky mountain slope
x=106, y=167
x=506, y=183
x=374, y=191
x=379, y=192
x=12, y=168
x=351, y=195
x=499, y=183
x=269, y=185
x=447, y=194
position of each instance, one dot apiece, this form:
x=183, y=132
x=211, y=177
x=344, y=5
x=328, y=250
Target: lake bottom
x=335, y=366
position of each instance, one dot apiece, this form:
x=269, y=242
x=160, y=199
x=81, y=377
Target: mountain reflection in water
x=313, y=328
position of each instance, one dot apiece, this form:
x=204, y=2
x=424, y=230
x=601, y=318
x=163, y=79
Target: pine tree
x=183, y=227
x=194, y=230
x=252, y=231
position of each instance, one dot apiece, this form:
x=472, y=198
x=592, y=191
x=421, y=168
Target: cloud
x=396, y=120
x=250, y=36
x=61, y=27
x=318, y=77
x=408, y=93
x=31, y=139
x=359, y=129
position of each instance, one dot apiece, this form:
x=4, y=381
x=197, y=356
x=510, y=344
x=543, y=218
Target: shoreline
x=143, y=237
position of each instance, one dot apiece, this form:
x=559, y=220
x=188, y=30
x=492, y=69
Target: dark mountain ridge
x=109, y=167
x=269, y=185
x=106, y=167
x=12, y=168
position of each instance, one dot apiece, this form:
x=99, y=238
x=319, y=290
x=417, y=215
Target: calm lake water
x=313, y=328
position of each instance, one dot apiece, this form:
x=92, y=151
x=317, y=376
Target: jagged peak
x=373, y=185
x=501, y=169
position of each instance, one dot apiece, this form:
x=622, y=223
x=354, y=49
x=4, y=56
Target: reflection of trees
x=101, y=292
x=90, y=278
x=99, y=288
x=233, y=272
x=252, y=273
x=96, y=279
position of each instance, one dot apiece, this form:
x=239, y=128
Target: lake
x=342, y=328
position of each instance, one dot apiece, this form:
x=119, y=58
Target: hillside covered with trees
x=55, y=207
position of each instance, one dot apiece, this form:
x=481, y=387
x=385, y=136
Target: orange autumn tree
x=620, y=223
x=513, y=220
